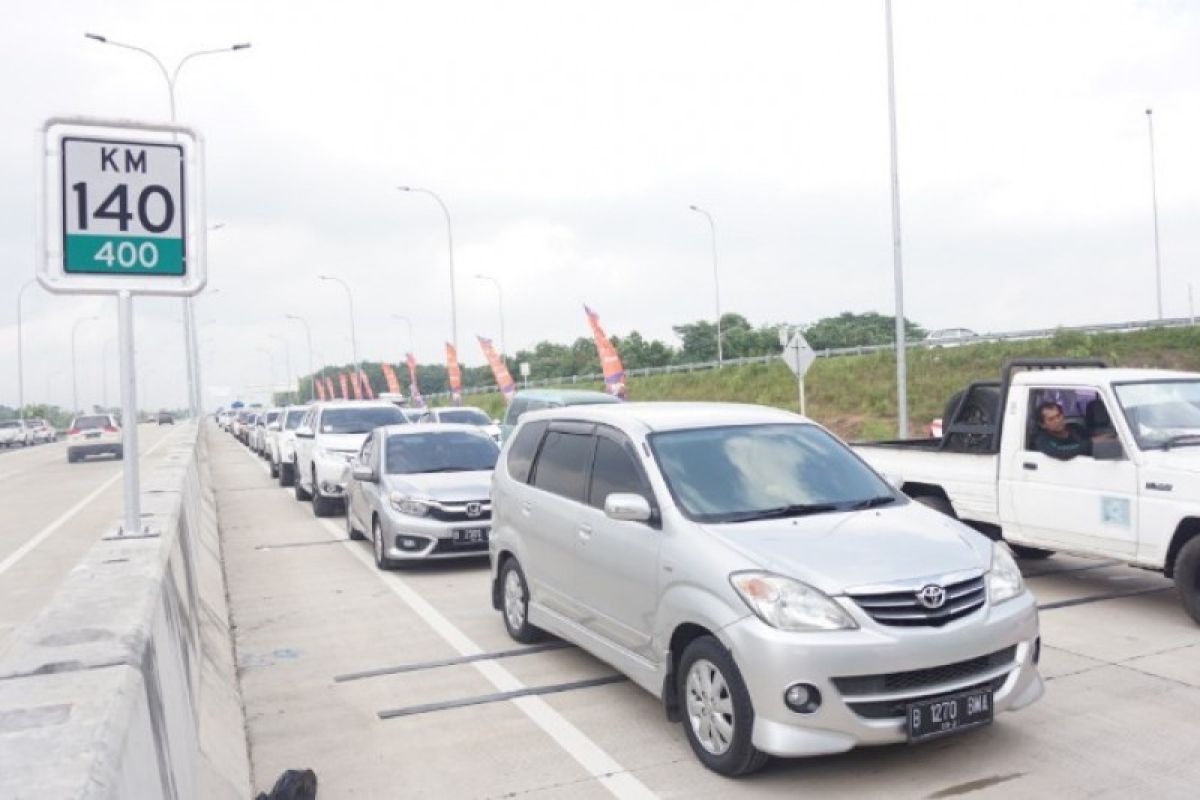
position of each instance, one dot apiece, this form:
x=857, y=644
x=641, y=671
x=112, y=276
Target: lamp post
x=408, y=322
x=1154, y=201
x=450, y=246
x=287, y=363
x=270, y=374
x=897, y=263
x=716, y=280
x=350, y=299
x=110, y=342
x=21, y=352
x=500, y=301
x=312, y=389
x=172, y=78
x=74, y=368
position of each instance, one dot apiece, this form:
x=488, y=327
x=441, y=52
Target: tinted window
x=90, y=423
x=272, y=416
x=562, y=465
x=515, y=411
x=613, y=470
x=440, y=451
x=294, y=418
x=464, y=416
x=360, y=420
x=523, y=449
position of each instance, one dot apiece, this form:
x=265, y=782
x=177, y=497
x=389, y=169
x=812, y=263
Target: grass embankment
x=855, y=396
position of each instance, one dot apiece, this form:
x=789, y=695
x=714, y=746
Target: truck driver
x=1056, y=437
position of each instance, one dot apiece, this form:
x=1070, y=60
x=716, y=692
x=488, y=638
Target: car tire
x=352, y=533
x=514, y=604
x=274, y=468
x=381, y=560
x=707, y=667
x=297, y=489
x=937, y=503
x=1030, y=553
x=287, y=474
x=71, y=457
x=119, y=453
x=322, y=506
x=1187, y=577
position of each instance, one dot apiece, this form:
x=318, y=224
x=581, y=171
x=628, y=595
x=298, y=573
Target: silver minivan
x=746, y=567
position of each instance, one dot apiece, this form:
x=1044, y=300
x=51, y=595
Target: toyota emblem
x=475, y=509
x=932, y=596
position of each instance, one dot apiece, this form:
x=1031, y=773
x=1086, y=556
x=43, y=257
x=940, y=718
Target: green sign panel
x=105, y=255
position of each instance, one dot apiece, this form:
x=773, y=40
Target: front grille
x=903, y=608
x=921, y=678
x=457, y=512
x=450, y=546
x=894, y=709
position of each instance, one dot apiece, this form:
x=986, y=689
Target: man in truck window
x=1058, y=438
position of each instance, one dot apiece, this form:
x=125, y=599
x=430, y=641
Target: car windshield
x=294, y=418
x=90, y=423
x=10, y=424
x=1162, y=414
x=360, y=420
x=466, y=416
x=272, y=416
x=748, y=472
x=440, y=451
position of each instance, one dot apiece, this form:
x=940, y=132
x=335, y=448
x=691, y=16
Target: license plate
x=470, y=535
x=95, y=435
x=949, y=714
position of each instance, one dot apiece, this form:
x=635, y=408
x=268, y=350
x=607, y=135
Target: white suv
x=327, y=439
x=94, y=434
x=281, y=443
x=15, y=432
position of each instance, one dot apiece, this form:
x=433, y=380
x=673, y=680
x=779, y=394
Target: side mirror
x=896, y=481
x=304, y=433
x=361, y=472
x=627, y=507
x=274, y=426
x=1108, y=450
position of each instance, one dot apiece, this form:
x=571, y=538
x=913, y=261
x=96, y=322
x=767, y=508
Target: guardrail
x=1007, y=336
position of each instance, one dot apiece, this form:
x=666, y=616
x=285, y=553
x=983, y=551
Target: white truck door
x=1079, y=504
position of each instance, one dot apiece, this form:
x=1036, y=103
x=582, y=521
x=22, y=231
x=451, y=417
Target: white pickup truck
x=1132, y=493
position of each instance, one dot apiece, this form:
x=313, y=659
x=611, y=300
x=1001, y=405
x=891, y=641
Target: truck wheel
x=1187, y=577
x=939, y=504
x=1030, y=553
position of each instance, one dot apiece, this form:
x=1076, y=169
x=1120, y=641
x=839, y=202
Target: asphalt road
x=312, y=614
x=51, y=513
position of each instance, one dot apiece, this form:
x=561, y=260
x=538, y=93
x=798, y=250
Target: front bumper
x=95, y=448
x=409, y=538
x=771, y=660
x=332, y=474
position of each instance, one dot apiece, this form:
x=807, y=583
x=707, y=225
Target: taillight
x=72, y=431
x=111, y=429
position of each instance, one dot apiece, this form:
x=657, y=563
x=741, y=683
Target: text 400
x=128, y=254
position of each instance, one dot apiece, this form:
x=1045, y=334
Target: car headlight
x=1004, y=578
x=789, y=605
x=407, y=505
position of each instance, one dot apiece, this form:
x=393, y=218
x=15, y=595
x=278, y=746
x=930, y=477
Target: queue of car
x=26, y=432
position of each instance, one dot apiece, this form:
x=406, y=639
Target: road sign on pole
x=122, y=214
x=799, y=357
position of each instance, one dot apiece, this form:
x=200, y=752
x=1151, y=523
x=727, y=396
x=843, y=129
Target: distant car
x=242, y=424
x=950, y=337
x=537, y=399
x=281, y=444
x=464, y=415
x=42, y=431
x=165, y=418
x=94, y=434
x=414, y=415
x=421, y=492
x=258, y=434
x=15, y=432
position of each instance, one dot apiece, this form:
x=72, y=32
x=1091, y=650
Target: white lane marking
x=599, y=764
x=53, y=527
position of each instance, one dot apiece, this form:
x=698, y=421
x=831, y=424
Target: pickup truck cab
x=1133, y=495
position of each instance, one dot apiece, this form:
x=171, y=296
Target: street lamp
x=287, y=363
x=21, y=352
x=450, y=245
x=897, y=263
x=74, y=368
x=312, y=391
x=270, y=374
x=350, y=299
x=716, y=279
x=172, y=78
x=500, y=300
x=408, y=322
x=1154, y=199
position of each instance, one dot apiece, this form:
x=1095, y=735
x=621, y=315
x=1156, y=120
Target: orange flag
x=455, y=374
x=389, y=375
x=320, y=389
x=329, y=393
x=345, y=385
x=610, y=360
x=503, y=380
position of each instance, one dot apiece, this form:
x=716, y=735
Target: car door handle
x=585, y=532
x=1029, y=465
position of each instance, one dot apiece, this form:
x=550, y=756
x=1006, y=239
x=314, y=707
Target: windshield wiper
x=794, y=510
x=873, y=502
x=1184, y=439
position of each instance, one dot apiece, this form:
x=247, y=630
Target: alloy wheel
x=710, y=707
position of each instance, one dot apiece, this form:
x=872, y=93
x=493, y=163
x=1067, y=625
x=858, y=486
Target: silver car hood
x=343, y=442
x=445, y=487
x=841, y=551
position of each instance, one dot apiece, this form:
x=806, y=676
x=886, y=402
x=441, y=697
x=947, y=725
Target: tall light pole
x=897, y=264
x=350, y=299
x=270, y=374
x=172, y=78
x=21, y=351
x=104, y=370
x=450, y=246
x=500, y=300
x=1154, y=200
x=712, y=226
x=312, y=389
x=287, y=362
x=74, y=368
x=408, y=322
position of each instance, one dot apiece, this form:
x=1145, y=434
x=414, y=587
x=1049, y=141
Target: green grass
x=856, y=395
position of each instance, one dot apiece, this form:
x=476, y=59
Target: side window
x=1083, y=414
x=515, y=411
x=614, y=470
x=523, y=449
x=562, y=465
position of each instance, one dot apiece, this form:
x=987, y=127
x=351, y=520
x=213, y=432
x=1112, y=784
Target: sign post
x=123, y=214
x=798, y=356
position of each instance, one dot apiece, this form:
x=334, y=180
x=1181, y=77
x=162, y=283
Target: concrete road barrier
x=125, y=685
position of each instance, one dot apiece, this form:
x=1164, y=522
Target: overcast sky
x=568, y=140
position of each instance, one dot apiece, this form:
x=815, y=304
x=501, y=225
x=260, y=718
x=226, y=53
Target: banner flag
x=610, y=360
x=330, y=394
x=455, y=374
x=504, y=381
x=366, y=384
x=345, y=385
x=414, y=391
x=320, y=389
x=389, y=375
x=356, y=384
